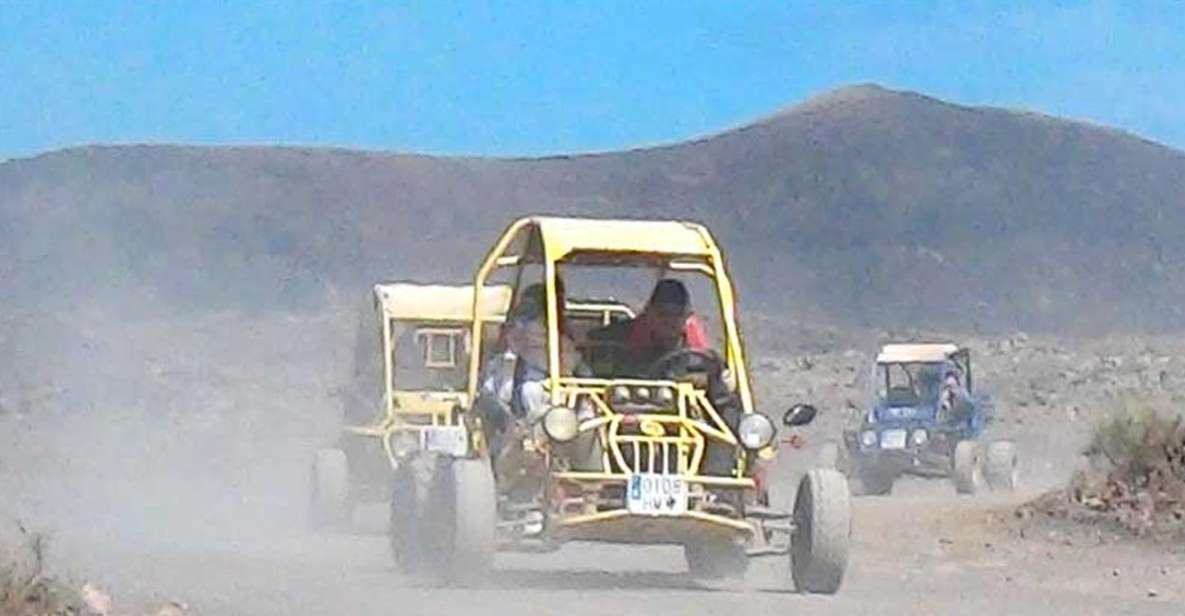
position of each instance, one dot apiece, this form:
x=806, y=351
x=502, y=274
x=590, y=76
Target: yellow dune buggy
x=571, y=438
x=410, y=379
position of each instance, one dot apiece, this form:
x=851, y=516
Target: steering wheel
x=683, y=362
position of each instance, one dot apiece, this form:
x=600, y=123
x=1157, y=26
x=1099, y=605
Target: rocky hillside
x=866, y=206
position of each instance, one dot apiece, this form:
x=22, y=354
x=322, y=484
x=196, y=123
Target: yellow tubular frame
x=553, y=251
x=690, y=247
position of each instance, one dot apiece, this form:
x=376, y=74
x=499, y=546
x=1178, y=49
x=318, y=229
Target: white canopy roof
x=904, y=353
x=436, y=302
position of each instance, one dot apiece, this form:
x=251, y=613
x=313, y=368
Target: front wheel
x=968, y=467
x=471, y=517
x=822, y=532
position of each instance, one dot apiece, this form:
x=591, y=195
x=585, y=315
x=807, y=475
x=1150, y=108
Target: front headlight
x=868, y=438
x=560, y=424
x=756, y=431
x=919, y=437
x=642, y=395
x=619, y=395
x=665, y=396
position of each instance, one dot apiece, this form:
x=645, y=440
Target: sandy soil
x=209, y=508
x=228, y=545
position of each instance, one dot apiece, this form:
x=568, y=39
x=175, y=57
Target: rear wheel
x=408, y=533
x=330, y=499
x=716, y=560
x=968, y=467
x=1000, y=466
x=822, y=532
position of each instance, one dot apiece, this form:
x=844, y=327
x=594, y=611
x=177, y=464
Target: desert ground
x=186, y=480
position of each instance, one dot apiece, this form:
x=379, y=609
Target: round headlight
x=642, y=394
x=756, y=431
x=868, y=438
x=919, y=437
x=665, y=396
x=619, y=395
x=560, y=424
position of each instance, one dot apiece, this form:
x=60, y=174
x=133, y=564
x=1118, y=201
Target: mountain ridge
x=859, y=205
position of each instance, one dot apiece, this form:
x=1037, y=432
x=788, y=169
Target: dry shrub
x=1137, y=467
x=25, y=587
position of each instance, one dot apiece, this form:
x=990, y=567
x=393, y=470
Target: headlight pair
x=918, y=438
x=661, y=396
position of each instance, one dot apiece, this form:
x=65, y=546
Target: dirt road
x=235, y=545
x=923, y=554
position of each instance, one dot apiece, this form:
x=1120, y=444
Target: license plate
x=653, y=494
x=447, y=440
x=893, y=439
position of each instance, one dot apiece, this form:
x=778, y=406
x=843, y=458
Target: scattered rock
x=95, y=599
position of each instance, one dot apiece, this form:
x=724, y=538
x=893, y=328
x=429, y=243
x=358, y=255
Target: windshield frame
x=537, y=249
x=881, y=382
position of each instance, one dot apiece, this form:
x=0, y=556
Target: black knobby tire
x=822, y=532
x=968, y=467
x=1000, y=466
x=411, y=542
x=713, y=560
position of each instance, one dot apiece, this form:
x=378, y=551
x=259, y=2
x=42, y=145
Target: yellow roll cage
x=674, y=245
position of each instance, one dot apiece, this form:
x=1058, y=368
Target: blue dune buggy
x=925, y=422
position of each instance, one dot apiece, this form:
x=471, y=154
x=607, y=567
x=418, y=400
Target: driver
x=667, y=324
x=955, y=399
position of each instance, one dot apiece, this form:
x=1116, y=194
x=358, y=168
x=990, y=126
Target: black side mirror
x=799, y=415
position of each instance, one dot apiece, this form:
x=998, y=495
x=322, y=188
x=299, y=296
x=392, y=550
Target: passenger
x=525, y=353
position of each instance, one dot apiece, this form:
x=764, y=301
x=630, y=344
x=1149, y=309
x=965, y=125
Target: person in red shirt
x=666, y=324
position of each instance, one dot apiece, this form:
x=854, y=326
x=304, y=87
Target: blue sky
x=532, y=78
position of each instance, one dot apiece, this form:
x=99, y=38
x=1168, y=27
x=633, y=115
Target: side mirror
x=799, y=415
